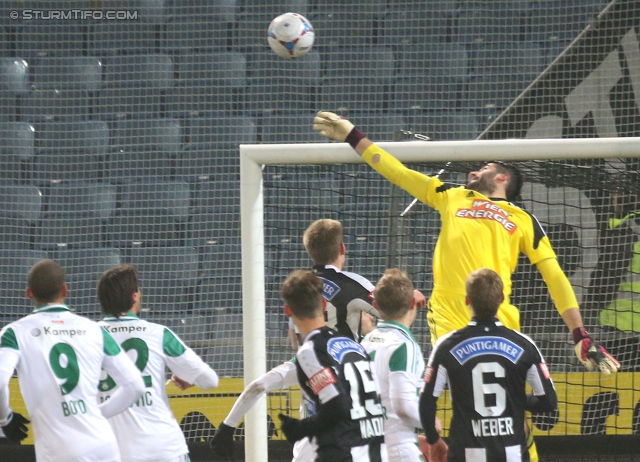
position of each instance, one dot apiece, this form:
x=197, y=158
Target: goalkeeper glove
x=292, y=428
x=222, y=442
x=337, y=128
x=591, y=354
x=16, y=429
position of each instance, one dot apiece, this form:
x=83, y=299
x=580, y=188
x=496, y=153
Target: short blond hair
x=485, y=292
x=393, y=294
x=323, y=239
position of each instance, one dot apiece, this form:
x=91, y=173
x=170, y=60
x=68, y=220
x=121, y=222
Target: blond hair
x=393, y=294
x=323, y=239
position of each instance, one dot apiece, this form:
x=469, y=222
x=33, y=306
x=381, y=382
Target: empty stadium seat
x=447, y=7
x=179, y=263
x=363, y=185
x=377, y=61
x=293, y=127
x=376, y=8
x=263, y=63
x=82, y=297
x=508, y=59
x=200, y=100
x=48, y=105
x=166, y=295
x=150, y=228
x=97, y=200
x=49, y=38
x=14, y=76
x=366, y=220
x=554, y=20
x=148, y=11
x=15, y=303
x=224, y=9
x=446, y=125
x=163, y=135
x=221, y=259
x=208, y=161
x=220, y=192
x=195, y=33
x=337, y=29
x=371, y=254
x=112, y=37
x=489, y=22
x=492, y=91
x=15, y=264
x=17, y=141
x=274, y=8
x=68, y=230
x=193, y=330
x=15, y=233
x=173, y=198
x=120, y=103
x=21, y=201
x=129, y=164
x=352, y=94
x=412, y=27
x=448, y=60
x=278, y=95
x=72, y=72
x=81, y=136
x=217, y=294
x=424, y=93
x=150, y=71
x=214, y=226
x=54, y=165
x=227, y=69
x=291, y=257
x=86, y=264
x=321, y=189
x=222, y=129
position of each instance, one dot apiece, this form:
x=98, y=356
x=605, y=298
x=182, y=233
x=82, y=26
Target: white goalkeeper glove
x=332, y=126
x=593, y=355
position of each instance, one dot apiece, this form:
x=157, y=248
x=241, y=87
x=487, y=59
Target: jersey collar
x=127, y=317
x=51, y=308
x=395, y=325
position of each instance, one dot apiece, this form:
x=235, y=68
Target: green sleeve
x=398, y=361
x=8, y=339
x=171, y=345
x=111, y=348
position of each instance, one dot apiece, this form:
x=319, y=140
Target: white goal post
x=252, y=159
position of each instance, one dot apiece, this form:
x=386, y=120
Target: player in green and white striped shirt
x=147, y=431
x=398, y=364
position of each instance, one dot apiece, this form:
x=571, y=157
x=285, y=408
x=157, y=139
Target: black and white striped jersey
x=486, y=367
x=335, y=368
x=347, y=295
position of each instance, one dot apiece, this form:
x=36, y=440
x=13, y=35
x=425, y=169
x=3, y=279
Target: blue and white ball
x=290, y=35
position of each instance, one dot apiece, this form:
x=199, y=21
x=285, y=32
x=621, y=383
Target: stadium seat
x=82, y=298
x=55, y=165
x=369, y=253
x=214, y=226
x=195, y=33
x=294, y=127
x=15, y=303
x=16, y=263
x=375, y=61
x=217, y=193
x=149, y=228
x=413, y=27
x=172, y=198
x=446, y=125
x=274, y=7
x=263, y=63
x=352, y=94
x=149, y=71
x=489, y=22
x=366, y=220
x=447, y=7
x=171, y=263
x=376, y=8
x=448, y=60
x=555, y=20
x=8, y=106
x=208, y=161
x=193, y=330
x=97, y=200
x=320, y=190
x=17, y=141
x=162, y=135
x=431, y=93
x=363, y=185
x=49, y=38
x=148, y=11
x=166, y=295
x=128, y=164
x=21, y=202
x=86, y=264
x=492, y=91
x=120, y=103
x=68, y=231
x=48, y=105
x=5, y=45
x=200, y=100
x=337, y=29
x=278, y=95
x=113, y=37
x=220, y=260
x=507, y=59
x=15, y=233
x=79, y=72
x=218, y=294
x=14, y=76
x=224, y=9
x=291, y=257
x=228, y=69
x=91, y=137
x=222, y=129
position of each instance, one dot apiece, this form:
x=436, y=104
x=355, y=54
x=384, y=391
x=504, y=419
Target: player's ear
x=375, y=304
x=467, y=301
x=343, y=248
x=287, y=311
x=64, y=290
x=324, y=304
x=30, y=293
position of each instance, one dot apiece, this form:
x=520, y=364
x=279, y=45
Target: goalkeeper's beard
x=484, y=185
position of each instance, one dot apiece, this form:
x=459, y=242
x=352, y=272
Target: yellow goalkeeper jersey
x=477, y=231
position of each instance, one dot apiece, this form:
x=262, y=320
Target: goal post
x=253, y=160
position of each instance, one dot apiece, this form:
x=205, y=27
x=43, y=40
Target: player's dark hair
x=302, y=292
x=322, y=239
x=514, y=186
x=116, y=288
x=485, y=291
x=46, y=279
x=393, y=294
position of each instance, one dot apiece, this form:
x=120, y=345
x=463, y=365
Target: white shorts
x=405, y=452
x=304, y=450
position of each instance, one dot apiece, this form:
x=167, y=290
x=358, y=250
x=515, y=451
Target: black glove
x=222, y=442
x=292, y=428
x=16, y=429
x=593, y=355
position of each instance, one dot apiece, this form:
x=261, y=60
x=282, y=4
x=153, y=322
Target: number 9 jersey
x=333, y=367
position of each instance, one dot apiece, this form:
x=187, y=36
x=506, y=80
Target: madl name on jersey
x=477, y=346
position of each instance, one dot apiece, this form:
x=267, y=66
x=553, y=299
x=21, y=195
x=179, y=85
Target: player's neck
x=338, y=262
x=305, y=326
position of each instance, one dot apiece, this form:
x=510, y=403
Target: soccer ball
x=290, y=35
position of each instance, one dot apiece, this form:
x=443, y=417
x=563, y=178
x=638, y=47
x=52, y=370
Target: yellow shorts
x=448, y=313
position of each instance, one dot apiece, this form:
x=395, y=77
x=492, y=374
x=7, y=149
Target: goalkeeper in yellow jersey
x=481, y=228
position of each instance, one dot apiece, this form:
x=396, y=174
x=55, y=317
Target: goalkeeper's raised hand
x=337, y=128
x=222, y=442
x=593, y=355
x=15, y=429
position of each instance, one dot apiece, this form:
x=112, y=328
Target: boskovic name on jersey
x=478, y=346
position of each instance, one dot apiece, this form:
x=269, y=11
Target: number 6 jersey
x=330, y=366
